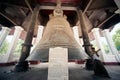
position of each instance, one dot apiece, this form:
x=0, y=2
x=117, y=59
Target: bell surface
x=57, y=33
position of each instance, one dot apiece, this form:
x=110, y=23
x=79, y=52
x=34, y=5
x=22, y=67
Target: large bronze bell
x=57, y=33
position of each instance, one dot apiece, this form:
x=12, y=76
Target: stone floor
x=40, y=72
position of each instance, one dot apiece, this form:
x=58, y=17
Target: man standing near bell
x=98, y=67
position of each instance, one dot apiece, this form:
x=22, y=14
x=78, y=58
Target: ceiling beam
x=22, y=12
x=53, y=7
x=88, y=5
x=99, y=25
x=12, y=21
x=103, y=7
x=26, y=1
x=42, y=7
x=13, y=5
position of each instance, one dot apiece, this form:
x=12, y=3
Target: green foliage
x=106, y=48
x=116, y=39
x=19, y=47
x=4, y=47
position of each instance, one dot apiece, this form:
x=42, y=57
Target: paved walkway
x=40, y=72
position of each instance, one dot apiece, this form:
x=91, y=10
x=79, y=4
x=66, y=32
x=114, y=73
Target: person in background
x=99, y=69
x=95, y=54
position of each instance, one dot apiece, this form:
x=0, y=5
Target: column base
x=22, y=66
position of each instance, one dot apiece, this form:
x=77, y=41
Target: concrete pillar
x=5, y=31
x=76, y=34
x=81, y=43
x=98, y=43
x=111, y=44
x=38, y=38
x=34, y=41
x=13, y=44
x=39, y=34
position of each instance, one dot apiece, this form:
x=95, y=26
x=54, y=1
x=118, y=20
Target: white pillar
x=39, y=34
x=81, y=41
x=13, y=44
x=99, y=43
x=111, y=44
x=76, y=34
x=34, y=41
x=5, y=31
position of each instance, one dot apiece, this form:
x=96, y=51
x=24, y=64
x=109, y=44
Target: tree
x=116, y=39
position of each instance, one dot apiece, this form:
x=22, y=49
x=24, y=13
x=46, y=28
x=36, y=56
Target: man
x=99, y=69
x=95, y=54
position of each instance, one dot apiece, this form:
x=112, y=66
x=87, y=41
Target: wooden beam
x=88, y=5
x=13, y=5
x=20, y=8
x=29, y=6
x=53, y=7
x=8, y=18
x=99, y=25
x=46, y=7
x=22, y=12
x=103, y=7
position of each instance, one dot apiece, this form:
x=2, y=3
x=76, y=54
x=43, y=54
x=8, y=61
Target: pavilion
x=89, y=21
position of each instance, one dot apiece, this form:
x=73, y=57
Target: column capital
x=40, y=26
x=6, y=28
x=106, y=30
x=75, y=27
x=117, y=11
x=3, y=34
x=18, y=28
x=95, y=29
